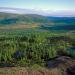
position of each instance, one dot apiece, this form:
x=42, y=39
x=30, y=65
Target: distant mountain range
x=59, y=13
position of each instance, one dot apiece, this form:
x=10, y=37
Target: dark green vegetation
x=34, y=47
x=23, y=48
x=9, y=19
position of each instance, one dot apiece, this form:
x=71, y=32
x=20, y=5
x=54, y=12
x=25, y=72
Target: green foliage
x=35, y=66
x=32, y=49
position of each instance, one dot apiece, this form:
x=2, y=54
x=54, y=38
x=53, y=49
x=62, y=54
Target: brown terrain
x=60, y=66
x=19, y=26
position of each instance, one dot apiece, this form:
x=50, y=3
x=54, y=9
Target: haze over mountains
x=57, y=13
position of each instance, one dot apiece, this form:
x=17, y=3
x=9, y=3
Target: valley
x=36, y=45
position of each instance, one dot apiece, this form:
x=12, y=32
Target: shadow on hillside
x=71, y=70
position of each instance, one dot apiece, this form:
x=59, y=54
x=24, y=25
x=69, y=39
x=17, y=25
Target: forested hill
x=61, y=19
x=7, y=19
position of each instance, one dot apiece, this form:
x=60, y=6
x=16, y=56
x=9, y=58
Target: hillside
x=33, y=44
x=60, y=66
x=6, y=19
x=9, y=18
x=16, y=21
x=30, y=21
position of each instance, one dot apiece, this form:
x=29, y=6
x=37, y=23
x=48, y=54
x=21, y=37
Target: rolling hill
x=8, y=20
x=24, y=21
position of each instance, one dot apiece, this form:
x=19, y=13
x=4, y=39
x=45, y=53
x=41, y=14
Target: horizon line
x=57, y=13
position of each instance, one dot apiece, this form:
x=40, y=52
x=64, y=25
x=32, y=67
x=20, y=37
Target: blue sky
x=39, y=4
x=53, y=6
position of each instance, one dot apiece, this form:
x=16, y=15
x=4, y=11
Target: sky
x=55, y=6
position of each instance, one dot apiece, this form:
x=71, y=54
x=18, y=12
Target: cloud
x=63, y=13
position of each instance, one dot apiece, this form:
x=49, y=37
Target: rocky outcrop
x=59, y=66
